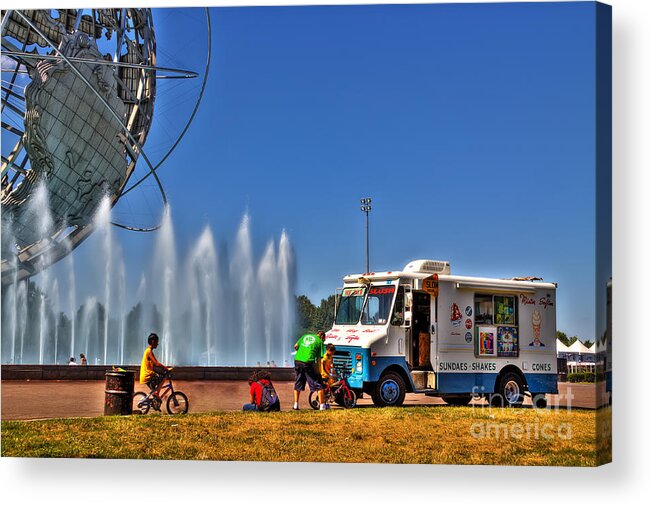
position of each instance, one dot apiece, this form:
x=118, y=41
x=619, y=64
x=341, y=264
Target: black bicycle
x=177, y=402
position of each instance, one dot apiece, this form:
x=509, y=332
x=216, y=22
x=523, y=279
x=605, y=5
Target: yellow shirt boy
x=326, y=367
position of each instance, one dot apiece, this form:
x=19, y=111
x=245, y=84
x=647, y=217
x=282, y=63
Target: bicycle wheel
x=143, y=408
x=314, y=400
x=349, y=399
x=177, y=403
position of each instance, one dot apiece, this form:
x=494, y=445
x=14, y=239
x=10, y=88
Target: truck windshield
x=378, y=305
x=350, y=305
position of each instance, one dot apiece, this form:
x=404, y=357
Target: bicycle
x=339, y=393
x=177, y=402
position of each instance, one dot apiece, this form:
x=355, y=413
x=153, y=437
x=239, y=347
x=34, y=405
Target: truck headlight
x=358, y=364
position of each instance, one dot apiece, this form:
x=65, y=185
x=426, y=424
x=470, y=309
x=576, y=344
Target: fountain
x=39, y=213
x=55, y=310
x=122, y=293
x=72, y=295
x=21, y=318
x=103, y=228
x=213, y=307
x=202, y=276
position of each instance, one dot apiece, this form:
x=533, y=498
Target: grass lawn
x=414, y=435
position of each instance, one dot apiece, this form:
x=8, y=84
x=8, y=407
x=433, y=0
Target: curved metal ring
x=152, y=169
x=102, y=99
x=36, y=56
x=194, y=112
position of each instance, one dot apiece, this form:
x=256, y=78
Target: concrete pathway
x=25, y=400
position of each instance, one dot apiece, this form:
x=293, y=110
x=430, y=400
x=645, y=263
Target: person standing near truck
x=309, y=350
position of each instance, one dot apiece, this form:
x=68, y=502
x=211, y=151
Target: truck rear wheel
x=510, y=392
x=389, y=390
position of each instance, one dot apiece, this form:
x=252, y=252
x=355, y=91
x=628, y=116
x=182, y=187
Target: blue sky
x=470, y=126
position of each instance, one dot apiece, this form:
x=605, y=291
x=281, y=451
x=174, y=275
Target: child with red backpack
x=263, y=396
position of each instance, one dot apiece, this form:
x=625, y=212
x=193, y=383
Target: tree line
x=311, y=318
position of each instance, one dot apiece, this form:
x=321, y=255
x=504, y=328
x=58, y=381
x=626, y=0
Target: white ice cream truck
x=427, y=331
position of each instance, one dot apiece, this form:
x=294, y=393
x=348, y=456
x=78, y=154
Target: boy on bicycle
x=151, y=370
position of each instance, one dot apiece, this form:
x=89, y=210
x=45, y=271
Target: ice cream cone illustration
x=455, y=315
x=536, y=322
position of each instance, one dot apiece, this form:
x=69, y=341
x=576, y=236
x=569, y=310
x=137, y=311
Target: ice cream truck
x=427, y=331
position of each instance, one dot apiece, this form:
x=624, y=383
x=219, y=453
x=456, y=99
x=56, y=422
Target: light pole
x=365, y=208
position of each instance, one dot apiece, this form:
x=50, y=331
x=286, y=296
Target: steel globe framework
x=78, y=95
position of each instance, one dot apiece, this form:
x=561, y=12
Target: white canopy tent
x=578, y=347
x=579, y=356
x=561, y=348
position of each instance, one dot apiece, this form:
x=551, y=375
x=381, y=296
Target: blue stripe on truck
x=542, y=383
x=447, y=382
x=464, y=382
x=484, y=383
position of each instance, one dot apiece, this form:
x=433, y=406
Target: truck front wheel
x=389, y=390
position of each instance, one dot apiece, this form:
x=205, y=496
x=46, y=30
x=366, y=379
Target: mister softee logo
x=308, y=340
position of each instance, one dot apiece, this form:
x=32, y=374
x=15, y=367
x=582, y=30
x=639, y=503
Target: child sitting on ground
x=262, y=395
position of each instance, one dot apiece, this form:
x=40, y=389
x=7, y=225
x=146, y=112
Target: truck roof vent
x=428, y=266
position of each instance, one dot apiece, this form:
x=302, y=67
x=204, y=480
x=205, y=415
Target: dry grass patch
x=414, y=435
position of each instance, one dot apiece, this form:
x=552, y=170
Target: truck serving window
x=350, y=305
x=496, y=326
x=504, y=309
x=483, y=309
x=378, y=305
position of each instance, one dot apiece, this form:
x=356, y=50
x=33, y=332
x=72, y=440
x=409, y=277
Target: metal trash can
x=118, y=393
x=561, y=367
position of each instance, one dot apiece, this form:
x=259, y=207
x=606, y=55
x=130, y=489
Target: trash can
x=118, y=394
x=561, y=367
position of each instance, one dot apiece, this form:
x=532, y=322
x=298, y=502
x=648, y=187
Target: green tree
x=325, y=313
x=311, y=318
x=305, y=315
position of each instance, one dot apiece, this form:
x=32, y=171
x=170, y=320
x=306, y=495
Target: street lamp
x=365, y=208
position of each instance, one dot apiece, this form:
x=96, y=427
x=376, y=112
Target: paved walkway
x=25, y=400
